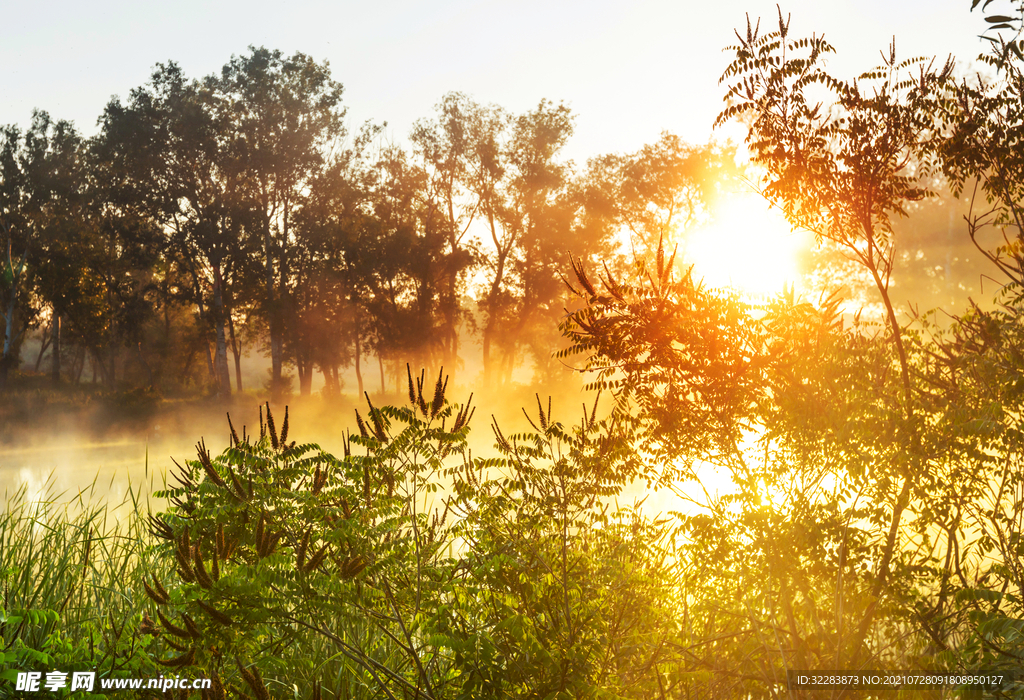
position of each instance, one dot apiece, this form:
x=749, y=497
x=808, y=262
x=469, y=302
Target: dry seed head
x=254, y=680
x=172, y=628
x=240, y=492
x=217, y=688
x=317, y=559
x=184, y=566
x=204, y=459
x=154, y=596
x=362, y=426
x=300, y=553
x=376, y=421
x=191, y=626
x=234, y=435
x=215, y=614
x=260, y=530
x=169, y=641
x=439, y=389
x=147, y=626
x=412, y=389
x=220, y=542
x=419, y=392
x=272, y=542
x=271, y=428
x=183, y=660
x=200, y=568
x=284, y=429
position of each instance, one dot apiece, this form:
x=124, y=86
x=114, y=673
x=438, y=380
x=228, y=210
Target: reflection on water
x=61, y=468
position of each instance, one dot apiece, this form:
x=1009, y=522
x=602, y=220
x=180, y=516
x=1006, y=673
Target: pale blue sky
x=628, y=70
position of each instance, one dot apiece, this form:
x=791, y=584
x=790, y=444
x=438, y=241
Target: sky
x=628, y=70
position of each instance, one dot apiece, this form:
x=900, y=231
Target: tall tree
x=460, y=159
x=844, y=173
x=286, y=122
x=168, y=150
x=523, y=193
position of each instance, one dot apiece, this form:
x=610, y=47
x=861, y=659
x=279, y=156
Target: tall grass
x=70, y=573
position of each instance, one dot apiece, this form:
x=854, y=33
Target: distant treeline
x=213, y=216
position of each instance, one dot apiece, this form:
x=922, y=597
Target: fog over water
x=89, y=446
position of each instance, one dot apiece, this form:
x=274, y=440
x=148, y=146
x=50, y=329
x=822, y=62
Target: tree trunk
x=221, y=374
x=236, y=351
x=380, y=361
x=305, y=377
x=43, y=345
x=79, y=364
x=55, y=342
x=274, y=320
x=359, y=371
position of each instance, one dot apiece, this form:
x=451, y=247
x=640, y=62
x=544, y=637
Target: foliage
x=71, y=589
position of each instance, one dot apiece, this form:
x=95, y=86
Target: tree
x=168, y=153
x=457, y=150
x=843, y=172
x=14, y=272
x=286, y=122
x=655, y=194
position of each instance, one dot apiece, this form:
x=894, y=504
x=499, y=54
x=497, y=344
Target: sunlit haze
x=748, y=247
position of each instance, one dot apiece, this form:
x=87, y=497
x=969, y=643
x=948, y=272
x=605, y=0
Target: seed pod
x=300, y=552
x=254, y=680
x=220, y=544
x=239, y=491
x=202, y=576
x=284, y=429
x=156, y=597
x=317, y=559
x=204, y=459
x=270, y=427
x=191, y=626
x=215, y=569
x=352, y=566
x=439, y=389
x=147, y=626
x=169, y=641
x=183, y=660
x=362, y=426
x=214, y=613
x=234, y=435
x=260, y=532
x=160, y=589
x=217, y=688
x=185, y=567
x=172, y=628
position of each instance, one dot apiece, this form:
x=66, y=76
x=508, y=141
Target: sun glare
x=747, y=246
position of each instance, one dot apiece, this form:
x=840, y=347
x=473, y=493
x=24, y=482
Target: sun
x=747, y=246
